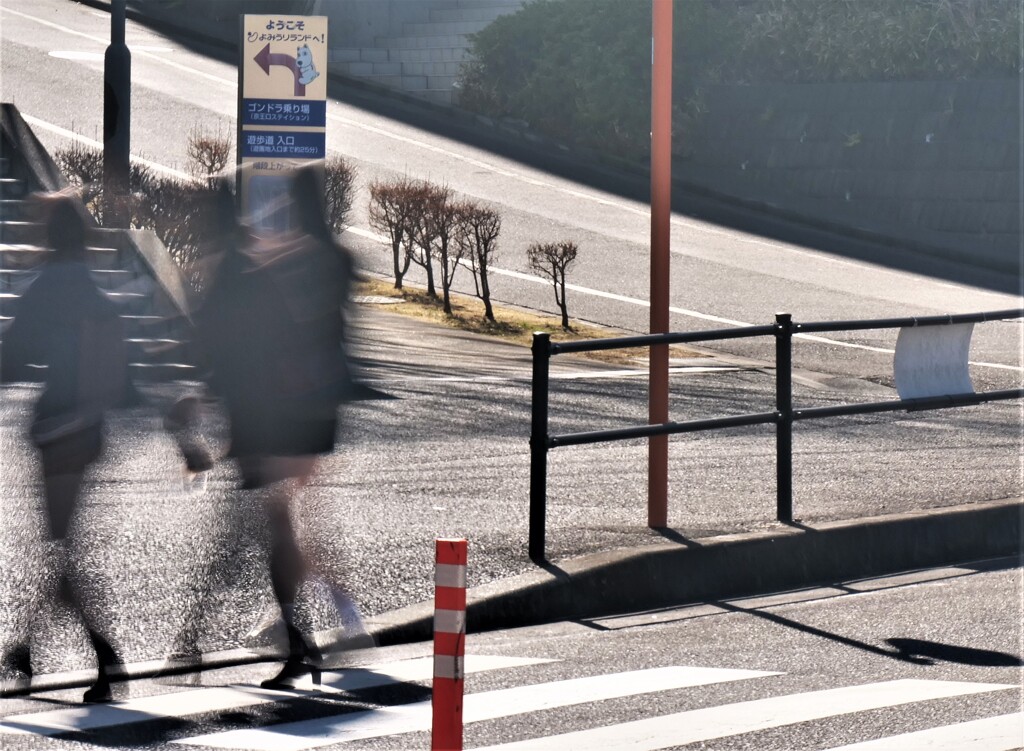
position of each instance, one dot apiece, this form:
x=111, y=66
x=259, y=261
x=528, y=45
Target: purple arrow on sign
x=265, y=58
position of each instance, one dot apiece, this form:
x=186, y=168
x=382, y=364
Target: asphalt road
x=935, y=652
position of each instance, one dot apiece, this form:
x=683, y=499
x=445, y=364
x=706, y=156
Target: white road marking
x=221, y=699
x=142, y=50
x=728, y=720
x=672, y=309
x=1002, y=733
x=487, y=705
x=69, y=134
x=532, y=181
x=77, y=55
x=580, y=375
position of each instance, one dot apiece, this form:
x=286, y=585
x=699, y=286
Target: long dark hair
x=309, y=202
x=64, y=225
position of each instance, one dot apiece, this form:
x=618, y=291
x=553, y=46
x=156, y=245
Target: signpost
x=282, y=109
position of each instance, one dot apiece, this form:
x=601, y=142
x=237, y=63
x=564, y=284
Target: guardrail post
x=539, y=444
x=784, y=426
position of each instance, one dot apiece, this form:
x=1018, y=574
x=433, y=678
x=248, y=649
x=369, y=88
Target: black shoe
x=303, y=658
x=16, y=669
x=291, y=671
x=107, y=660
x=99, y=692
x=18, y=660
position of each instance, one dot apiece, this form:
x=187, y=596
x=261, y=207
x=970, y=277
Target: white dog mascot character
x=304, y=60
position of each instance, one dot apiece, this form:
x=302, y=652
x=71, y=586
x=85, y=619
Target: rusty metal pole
x=661, y=210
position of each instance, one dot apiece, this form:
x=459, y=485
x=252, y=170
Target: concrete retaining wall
x=935, y=164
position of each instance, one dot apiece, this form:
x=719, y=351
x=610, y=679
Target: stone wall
x=934, y=164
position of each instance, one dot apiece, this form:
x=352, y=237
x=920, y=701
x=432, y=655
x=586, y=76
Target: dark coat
x=66, y=324
x=272, y=329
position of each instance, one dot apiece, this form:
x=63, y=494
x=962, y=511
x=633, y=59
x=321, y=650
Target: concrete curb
x=667, y=574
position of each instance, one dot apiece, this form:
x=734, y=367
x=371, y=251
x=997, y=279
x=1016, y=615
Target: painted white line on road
x=222, y=699
x=1003, y=733
x=679, y=311
x=729, y=720
x=578, y=375
x=488, y=705
x=71, y=135
x=140, y=50
x=94, y=57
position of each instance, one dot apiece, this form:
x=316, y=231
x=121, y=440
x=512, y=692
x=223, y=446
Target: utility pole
x=117, y=93
x=661, y=214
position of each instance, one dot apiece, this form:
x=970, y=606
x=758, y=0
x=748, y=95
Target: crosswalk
x=997, y=733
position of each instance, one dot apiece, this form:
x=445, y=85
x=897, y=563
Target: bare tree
x=552, y=261
x=421, y=228
x=441, y=226
x=339, y=192
x=480, y=227
x=209, y=154
x=391, y=212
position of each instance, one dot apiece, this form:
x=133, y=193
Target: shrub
x=580, y=70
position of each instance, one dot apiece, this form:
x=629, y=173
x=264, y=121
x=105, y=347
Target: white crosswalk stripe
x=1001, y=733
x=745, y=717
x=487, y=705
x=212, y=700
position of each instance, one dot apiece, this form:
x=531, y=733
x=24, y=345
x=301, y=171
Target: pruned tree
x=391, y=212
x=421, y=237
x=339, y=191
x=441, y=226
x=552, y=261
x=480, y=227
x=209, y=154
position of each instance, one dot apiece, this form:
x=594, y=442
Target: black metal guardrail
x=783, y=417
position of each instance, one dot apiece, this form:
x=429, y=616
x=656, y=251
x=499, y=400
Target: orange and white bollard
x=449, y=644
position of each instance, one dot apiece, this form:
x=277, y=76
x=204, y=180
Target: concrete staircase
x=424, y=57
x=131, y=266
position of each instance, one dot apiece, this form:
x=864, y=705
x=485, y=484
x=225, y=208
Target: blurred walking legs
x=61, y=487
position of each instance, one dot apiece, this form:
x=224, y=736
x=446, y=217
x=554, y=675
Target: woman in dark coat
x=66, y=327
x=273, y=328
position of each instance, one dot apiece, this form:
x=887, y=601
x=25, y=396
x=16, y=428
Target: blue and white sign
x=284, y=144
x=285, y=112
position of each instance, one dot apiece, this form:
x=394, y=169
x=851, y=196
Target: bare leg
x=62, y=490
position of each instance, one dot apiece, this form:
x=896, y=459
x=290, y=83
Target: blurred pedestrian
x=71, y=332
x=273, y=327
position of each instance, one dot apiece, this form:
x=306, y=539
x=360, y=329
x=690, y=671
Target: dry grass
x=514, y=325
